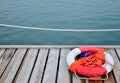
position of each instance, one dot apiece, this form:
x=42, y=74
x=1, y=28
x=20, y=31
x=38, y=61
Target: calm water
x=69, y=14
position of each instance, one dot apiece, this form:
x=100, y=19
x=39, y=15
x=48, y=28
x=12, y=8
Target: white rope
x=65, y=30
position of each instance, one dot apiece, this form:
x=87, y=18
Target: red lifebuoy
x=83, y=67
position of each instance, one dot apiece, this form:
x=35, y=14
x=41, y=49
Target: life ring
x=106, y=68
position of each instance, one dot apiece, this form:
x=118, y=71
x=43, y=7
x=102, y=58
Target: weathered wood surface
x=45, y=65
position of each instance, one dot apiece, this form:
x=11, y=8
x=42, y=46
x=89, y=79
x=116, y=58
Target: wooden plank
x=25, y=72
x=117, y=63
x=14, y=65
x=63, y=74
x=1, y=52
x=39, y=66
x=51, y=68
x=118, y=52
x=5, y=60
x=110, y=79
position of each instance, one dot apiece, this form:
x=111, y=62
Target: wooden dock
x=45, y=64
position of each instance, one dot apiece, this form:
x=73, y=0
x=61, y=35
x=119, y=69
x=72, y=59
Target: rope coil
x=93, y=65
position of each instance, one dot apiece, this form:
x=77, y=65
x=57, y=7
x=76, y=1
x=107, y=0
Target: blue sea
x=59, y=14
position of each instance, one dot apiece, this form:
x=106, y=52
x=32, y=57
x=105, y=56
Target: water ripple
x=71, y=14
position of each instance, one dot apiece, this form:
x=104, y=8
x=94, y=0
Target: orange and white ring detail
x=72, y=54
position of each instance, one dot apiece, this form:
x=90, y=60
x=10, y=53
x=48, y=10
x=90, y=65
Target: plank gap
x=2, y=52
x=27, y=66
x=51, y=66
x=71, y=76
x=13, y=66
x=117, y=54
x=58, y=66
x=45, y=66
x=12, y=52
x=116, y=63
x=3, y=55
x=33, y=65
x=63, y=74
x=114, y=76
x=39, y=66
x=20, y=67
x=102, y=81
